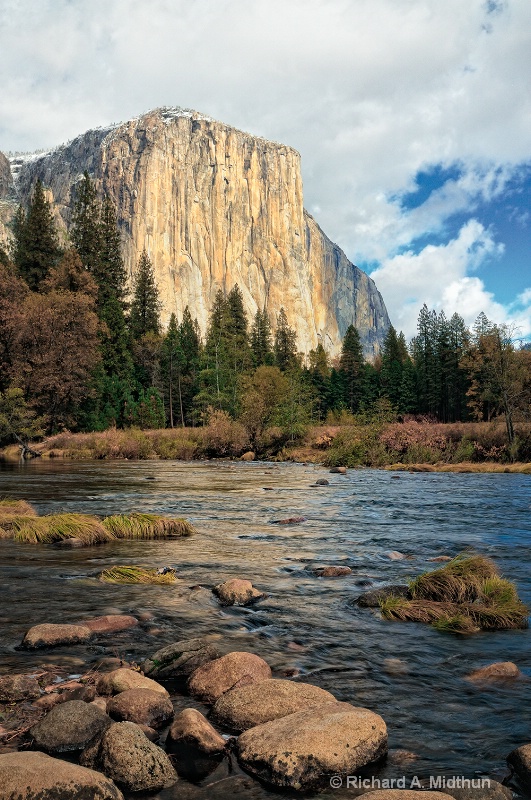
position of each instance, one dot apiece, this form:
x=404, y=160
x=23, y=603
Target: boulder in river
x=331, y=571
x=248, y=706
x=322, y=482
x=69, y=727
x=339, y=470
x=519, y=761
x=52, y=635
x=303, y=750
x=495, y=673
x=14, y=688
x=110, y=623
x=212, y=680
x=126, y=755
x=177, y=661
x=373, y=598
x=249, y=456
x=190, y=729
x=288, y=521
x=143, y=706
x=122, y=679
x=480, y=791
x=32, y=776
x=237, y=592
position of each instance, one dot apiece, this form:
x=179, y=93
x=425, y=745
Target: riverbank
x=410, y=445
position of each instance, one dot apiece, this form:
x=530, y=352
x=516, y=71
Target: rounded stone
x=191, y=729
x=122, y=679
x=212, y=680
x=237, y=592
x=51, y=635
x=48, y=778
x=68, y=727
x=143, y=706
x=519, y=761
x=500, y=671
x=303, y=750
x=127, y=756
x=248, y=706
x=331, y=571
x=110, y=623
x=177, y=661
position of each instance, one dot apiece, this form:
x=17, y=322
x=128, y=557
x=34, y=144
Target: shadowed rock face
x=214, y=207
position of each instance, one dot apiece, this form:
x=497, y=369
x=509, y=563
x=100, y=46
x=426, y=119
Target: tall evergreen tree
x=36, y=248
x=351, y=369
x=261, y=340
x=86, y=231
x=145, y=307
x=285, y=347
x=111, y=275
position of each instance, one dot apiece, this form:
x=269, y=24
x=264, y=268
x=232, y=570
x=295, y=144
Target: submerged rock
x=36, y=776
x=331, y=571
x=110, y=623
x=372, y=599
x=237, y=592
x=69, y=727
x=177, y=661
x=500, y=671
x=212, y=680
x=127, y=756
x=339, y=470
x=143, y=706
x=303, y=750
x=322, y=482
x=51, y=635
x=248, y=706
x=288, y=521
x=122, y=679
x=14, y=688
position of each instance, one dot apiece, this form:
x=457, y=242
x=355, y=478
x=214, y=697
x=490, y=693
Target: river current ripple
x=410, y=674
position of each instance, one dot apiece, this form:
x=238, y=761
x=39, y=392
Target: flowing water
x=410, y=674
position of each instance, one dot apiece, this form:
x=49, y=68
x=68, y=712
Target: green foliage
x=285, y=349
x=17, y=421
x=36, y=248
x=145, y=306
x=261, y=340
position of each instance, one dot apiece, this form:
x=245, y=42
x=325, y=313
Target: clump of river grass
x=465, y=596
x=135, y=574
x=59, y=527
x=19, y=508
x=146, y=526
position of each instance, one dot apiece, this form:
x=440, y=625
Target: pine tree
x=261, y=341
x=36, y=248
x=86, y=231
x=171, y=367
x=351, y=369
x=426, y=363
x=392, y=367
x=145, y=307
x=111, y=275
x=285, y=347
x=190, y=345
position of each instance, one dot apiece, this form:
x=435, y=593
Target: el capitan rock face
x=214, y=207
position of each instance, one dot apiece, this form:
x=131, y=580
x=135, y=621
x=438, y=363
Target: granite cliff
x=213, y=206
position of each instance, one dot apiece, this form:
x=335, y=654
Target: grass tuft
x=147, y=526
x=464, y=596
x=58, y=527
x=134, y=574
x=458, y=581
x=11, y=507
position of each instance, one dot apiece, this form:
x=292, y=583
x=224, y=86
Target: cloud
x=371, y=92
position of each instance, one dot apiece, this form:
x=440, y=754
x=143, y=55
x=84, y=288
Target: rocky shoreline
x=119, y=729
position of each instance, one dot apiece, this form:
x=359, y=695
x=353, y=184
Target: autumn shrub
x=223, y=436
x=178, y=443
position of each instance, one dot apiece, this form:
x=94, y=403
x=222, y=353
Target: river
x=410, y=674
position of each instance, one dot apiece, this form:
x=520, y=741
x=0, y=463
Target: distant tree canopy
x=79, y=348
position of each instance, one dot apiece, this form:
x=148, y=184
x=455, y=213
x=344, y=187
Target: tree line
x=78, y=350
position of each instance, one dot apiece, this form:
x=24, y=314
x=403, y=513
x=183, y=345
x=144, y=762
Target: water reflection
x=410, y=674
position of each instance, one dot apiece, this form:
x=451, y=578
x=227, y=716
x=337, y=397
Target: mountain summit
x=213, y=206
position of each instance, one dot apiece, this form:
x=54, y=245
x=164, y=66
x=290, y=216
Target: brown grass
x=464, y=596
x=135, y=574
x=19, y=508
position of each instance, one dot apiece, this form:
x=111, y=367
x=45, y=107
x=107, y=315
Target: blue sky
x=412, y=118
